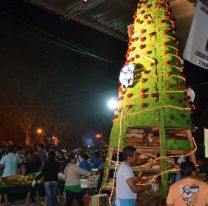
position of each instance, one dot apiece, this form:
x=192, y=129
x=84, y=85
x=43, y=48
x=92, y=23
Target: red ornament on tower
x=143, y=105
x=179, y=100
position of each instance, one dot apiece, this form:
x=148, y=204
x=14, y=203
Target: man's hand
x=61, y=176
x=137, y=188
x=33, y=183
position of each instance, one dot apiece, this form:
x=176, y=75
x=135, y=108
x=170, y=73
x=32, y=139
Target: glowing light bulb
x=112, y=104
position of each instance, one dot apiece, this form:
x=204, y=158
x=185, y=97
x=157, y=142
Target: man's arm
x=19, y=160
x=83, y=172
x=1, y=166
x=2, y=163
x=137, y=188
x=170, y=198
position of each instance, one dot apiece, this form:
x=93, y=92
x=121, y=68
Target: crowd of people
x=59, y=167
x=62, y=169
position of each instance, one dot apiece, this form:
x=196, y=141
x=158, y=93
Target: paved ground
x=21, y=203
x=37, y=203
x=30, y=204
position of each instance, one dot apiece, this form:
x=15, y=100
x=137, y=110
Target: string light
x=145, y=56
x=164, y=3
x=156, y=92
x=172, y=22
x=177, y=57
x=167, y=28
x=155, y=108
x=179, y=77
x=172, y=47
x=117, y=160
x=173, y=38
x=177, y=91
x=166, y=91
x=181, y=70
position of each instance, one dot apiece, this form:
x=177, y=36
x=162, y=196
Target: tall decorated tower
x=153, y=114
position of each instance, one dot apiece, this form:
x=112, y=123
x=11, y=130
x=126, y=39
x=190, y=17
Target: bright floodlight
x=112, y=103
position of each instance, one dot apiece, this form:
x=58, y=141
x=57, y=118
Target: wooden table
x=17, y=191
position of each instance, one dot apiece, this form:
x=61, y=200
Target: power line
x=72, y=67
x=63, y=83
x=198, y=85
x=61, y=43
x=67, y=66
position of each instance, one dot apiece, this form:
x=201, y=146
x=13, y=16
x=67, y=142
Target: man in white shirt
x=10, y=162
x=126, y=187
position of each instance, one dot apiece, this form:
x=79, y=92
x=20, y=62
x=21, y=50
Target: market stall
x=18, y=187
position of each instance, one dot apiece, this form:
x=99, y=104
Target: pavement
x=37, y=203
x=29, y=204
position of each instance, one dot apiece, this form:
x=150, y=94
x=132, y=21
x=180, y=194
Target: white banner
x=196, y=50
x=206, y=141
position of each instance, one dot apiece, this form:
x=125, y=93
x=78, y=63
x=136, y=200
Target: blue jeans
x=125, y=202
x=51, y=189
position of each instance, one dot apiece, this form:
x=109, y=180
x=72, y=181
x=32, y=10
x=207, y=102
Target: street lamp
x=98, y=136
x=39, y=131
x=112, y=103
x=40, y=134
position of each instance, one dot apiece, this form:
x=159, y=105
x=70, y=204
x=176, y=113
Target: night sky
x=66, y=67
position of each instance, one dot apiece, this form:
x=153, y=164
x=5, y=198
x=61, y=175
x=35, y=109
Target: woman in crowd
x=72, y=181
x=50, y=172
